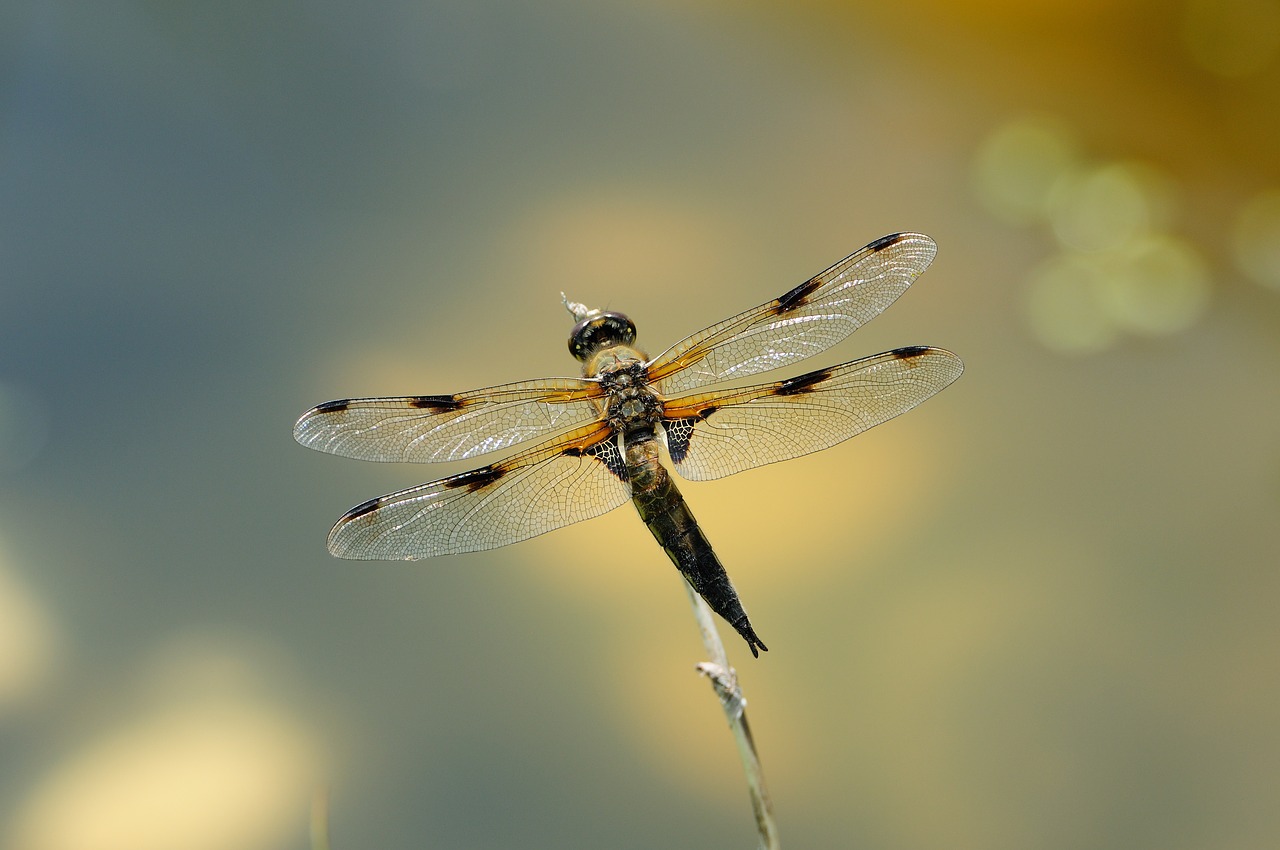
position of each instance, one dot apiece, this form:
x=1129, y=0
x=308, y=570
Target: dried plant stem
x=724, y=679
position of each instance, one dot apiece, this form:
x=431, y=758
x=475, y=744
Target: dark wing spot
x=436, y=403
x=796, y=297
x=680, y=432
x=475, y=479
x=802, y=383
x=360, y=510
x=910, y=352
x=333, y=406
x=606, y=451
x=885, y=241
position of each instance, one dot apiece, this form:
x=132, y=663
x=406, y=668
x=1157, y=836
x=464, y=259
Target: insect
x=601, y=431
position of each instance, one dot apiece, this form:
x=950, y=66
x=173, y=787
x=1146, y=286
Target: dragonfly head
x=597, y=329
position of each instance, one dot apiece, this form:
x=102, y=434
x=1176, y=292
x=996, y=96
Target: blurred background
x=1039, y=611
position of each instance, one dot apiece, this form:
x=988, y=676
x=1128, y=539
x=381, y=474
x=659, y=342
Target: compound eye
x=591, y=335
x=620, y=329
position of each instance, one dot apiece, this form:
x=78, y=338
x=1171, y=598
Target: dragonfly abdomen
x=664, y=511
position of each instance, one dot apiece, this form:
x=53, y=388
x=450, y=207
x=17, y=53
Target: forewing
x=578, y=476
x=427, y=429
x=711, y=435
x=810, y=318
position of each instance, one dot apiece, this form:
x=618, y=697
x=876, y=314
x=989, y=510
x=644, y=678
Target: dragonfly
x=599, y=434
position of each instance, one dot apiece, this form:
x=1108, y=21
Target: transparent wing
x=578, y=476
x=711, y=435
x=810, y=318
x=428, y=429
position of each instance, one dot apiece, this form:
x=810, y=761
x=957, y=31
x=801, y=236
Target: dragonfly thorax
x=631, y=405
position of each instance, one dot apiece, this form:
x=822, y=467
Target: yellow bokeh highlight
x=1018, y=165
x=208, y=777
x=1105, y=207
x=198, y=754
x=1080, y=303
x=1156, y=285
x=1119, y=269
x=1064, y=306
